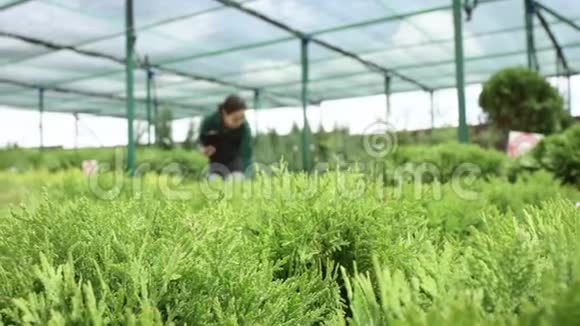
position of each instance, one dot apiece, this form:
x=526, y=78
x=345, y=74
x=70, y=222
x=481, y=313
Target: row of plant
x=292, y=250
x=149, y=159
x=557, y=154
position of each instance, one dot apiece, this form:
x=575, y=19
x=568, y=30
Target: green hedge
x=328, y=146
x=443, y=162
x=446, y=158
x=559, y=154
x=148, y=159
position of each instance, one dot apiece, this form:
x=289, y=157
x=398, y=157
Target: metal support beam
x=530, y=43
x=156, y=119
x=554, y=13
x=129, y=63
x=432, y=106
x=95, y=54
x=569, y=86
x=88, y=94
x=256, y=107
x=143, y=27
x=149, y=79
x=306, y=128
x=388, y=96
x=76, y=117
x=462, y=132
x=61, y=90
x=370, y=65
x=41, y=116
x=557, y=47
x=360, y=24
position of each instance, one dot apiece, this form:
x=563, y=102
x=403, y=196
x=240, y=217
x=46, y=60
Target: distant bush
x=449, y=160
x=148, y=159
x=560, y=154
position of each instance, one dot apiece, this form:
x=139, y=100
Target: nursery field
x=288, y=249
x=372, y=223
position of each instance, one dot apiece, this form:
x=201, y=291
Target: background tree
x=520, y=99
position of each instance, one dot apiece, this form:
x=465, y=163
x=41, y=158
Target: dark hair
x=231, y=104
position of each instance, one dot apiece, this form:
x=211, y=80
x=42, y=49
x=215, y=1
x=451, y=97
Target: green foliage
x=451, y=211
x=560, y=154
x=521, y=99
x=148, y=159
x=495, y=276
x=444, y=161
x=440, y=162
x=270, y=148
x=427, y=137
x=339, y=148
x=163, y=129
x=191, y=137
x=329, y=148
x=488, y=136
x=270, y=252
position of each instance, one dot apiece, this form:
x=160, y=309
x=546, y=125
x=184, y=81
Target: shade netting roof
x=202, y=50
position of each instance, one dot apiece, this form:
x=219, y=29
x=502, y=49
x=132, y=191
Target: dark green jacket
x=229, y=143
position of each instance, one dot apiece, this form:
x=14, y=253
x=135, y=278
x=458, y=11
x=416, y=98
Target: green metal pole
x=129, y=63
x=11, y=4
x=530, y=46
x=462, y=134
x=306, y=128
x=388, y=96
x=41, y=112
x=432, y=103
x=149, y=77
x=155, y=119
x=563, y=19
x=256, y=107
x=569, y=94
x=76, y=117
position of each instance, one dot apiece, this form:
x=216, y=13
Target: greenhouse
x=416, y=162
x=124, y=59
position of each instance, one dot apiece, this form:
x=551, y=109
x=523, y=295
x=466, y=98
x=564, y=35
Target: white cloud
x=433, y=26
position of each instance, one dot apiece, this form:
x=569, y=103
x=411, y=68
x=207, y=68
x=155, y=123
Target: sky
x=410, y=111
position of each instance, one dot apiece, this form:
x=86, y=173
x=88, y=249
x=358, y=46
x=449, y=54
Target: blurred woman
x=225, y=138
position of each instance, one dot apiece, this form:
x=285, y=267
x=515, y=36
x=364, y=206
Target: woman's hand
x=208, y=150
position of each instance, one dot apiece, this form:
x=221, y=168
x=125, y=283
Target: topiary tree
x=520, y=99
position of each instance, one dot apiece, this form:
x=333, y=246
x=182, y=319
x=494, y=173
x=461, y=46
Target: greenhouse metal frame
x=543, y=23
